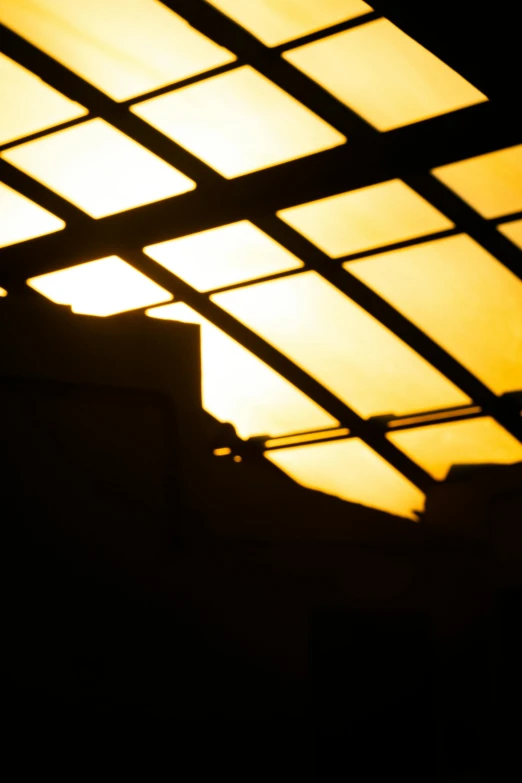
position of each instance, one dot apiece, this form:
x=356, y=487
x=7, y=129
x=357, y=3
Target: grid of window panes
x=366, y=337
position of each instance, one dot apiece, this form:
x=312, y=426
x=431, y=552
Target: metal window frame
x=369, y=157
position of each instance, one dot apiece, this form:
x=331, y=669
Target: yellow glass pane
x=239, y=388
x=124, y=47
x=470, y=442
x=239, y=122
x=491, y=184
x=352, y=471
x=102, y=287
x=28, y=104
x=22, y=219
x=277, y=22
x=462, y=297
x=384, y=75
x=366, y=218
x=513, y=231
x=223, y=256
x=340, y=345
x=98, y=168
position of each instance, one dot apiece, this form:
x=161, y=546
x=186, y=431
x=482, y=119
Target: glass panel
x=23, y=219
x=341, y=345
x=352, y=471
x=239, y=122
x=124, y=47
x=277, y=22
x=384, y=75
x=239, y=388
x=513, y=231
x=462, y=297
x=223, y=256
x=362, y=219
x=98, y=168
x=471, y=442
x=491, y=184
x=28, y=104
x=103, y=287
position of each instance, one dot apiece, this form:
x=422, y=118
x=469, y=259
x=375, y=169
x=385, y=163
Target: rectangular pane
x=124, y=47
x=277, y=22
x=352, y=471
x=223, y=256
x=102, y=287
x=98, y=168
x=491, y=184
x=238, y=387
x=462, y=297
x=472, y=442
x=307, y=437
x=366, y=218
x=384, y=75
x=23, y=219
x=340, y=345
x=239, y=122
x=513, y=231
x=28, y=104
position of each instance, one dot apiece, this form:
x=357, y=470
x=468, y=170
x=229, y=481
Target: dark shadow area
x=169, y=612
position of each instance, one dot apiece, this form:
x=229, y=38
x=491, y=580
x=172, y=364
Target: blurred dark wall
x=163, y=606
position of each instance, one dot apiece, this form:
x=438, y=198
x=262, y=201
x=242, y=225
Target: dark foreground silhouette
x=171, y=613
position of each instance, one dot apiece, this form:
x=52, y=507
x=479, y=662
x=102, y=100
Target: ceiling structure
x=336, y=207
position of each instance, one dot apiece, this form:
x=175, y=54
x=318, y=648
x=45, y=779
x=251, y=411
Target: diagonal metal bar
x=507, y=218
x=45, y=132
x=406, y=423
x=341, y=27
x=479, y=229
x=40, y=194
x=199, y=77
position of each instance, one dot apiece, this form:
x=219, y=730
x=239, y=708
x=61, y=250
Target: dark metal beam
x=408, y=423
x=482, y=231
x=318, y=35
x=34, y=190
